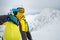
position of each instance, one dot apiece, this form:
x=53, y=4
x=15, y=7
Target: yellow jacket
x=24, y=25
x=11, y=31
x=22, y=20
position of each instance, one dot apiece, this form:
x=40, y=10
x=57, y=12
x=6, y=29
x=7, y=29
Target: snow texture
x=45, y=25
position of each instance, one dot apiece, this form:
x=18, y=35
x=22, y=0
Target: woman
x=23, y=24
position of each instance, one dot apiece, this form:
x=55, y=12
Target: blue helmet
x=15, y=9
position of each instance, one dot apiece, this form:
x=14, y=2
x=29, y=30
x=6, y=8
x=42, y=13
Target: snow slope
x=45, y=25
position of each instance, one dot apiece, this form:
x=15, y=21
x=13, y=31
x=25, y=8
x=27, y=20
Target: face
x=21, y=10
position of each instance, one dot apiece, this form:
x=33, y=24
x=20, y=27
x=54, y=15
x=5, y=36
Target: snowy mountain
x=45, y=25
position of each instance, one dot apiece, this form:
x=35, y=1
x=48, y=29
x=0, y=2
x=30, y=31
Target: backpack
x=3, y=18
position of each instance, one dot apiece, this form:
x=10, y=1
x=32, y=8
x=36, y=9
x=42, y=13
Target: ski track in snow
x=45, y=25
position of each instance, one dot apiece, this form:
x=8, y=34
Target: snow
x=45, y=25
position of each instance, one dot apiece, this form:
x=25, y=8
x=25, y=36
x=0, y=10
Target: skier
x=24, y=25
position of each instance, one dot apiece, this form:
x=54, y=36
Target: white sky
x=5, y=5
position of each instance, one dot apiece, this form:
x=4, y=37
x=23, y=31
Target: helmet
x=15, y=10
